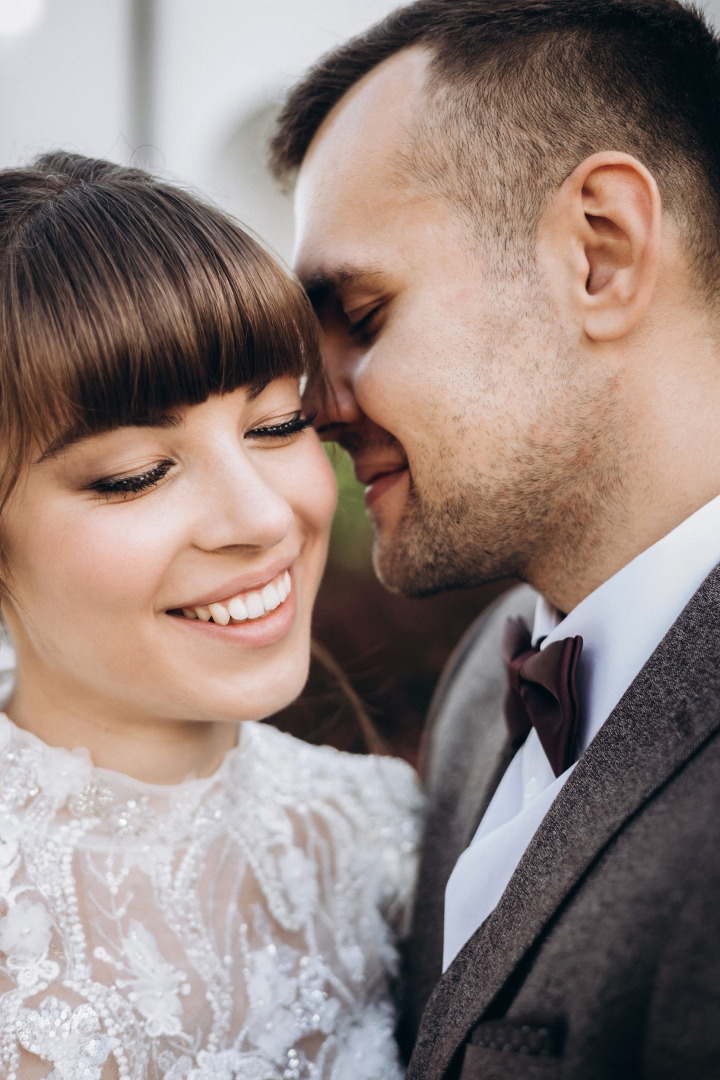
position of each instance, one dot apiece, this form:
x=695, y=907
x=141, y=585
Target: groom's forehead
x=354, y=160
x=359, y=208
x=349, y=227
x=383, y=102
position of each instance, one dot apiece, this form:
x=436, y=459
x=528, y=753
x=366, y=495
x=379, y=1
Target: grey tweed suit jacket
x=602, y=959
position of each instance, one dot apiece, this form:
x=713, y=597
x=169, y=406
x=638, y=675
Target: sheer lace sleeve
x=242, y=927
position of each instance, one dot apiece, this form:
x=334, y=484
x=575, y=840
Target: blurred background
x=188, y=89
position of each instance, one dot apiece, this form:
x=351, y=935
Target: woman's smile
x=143, y=594
x=249, y=619
x=240, y=602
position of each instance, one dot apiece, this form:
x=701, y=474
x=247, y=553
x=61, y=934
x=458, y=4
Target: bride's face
x=109, y=541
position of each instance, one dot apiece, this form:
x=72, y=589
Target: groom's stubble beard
x=484, y=530
x=547, y=493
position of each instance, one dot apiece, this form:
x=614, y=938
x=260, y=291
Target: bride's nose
x=240, y=507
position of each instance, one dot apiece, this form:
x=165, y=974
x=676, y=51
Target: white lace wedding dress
x=239, y=927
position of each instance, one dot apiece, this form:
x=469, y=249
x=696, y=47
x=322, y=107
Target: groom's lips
x=379, y=478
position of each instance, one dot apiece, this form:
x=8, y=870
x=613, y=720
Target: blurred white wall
x=64, y=80
x=186, y=86
x=218, y=68
x=222, y=65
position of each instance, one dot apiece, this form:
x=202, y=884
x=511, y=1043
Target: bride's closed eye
x=134, y=484
x=282, y=431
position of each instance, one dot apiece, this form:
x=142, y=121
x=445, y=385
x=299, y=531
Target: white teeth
x=270, y=598
x=219, y=614
x=254, y=605
x=249, y=606
x=237, y=609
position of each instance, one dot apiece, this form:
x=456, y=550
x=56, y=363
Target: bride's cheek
x=323, y=486
x=111, y=565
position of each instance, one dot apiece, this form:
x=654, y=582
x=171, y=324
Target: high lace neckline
x=239, y=926
x=120, y=803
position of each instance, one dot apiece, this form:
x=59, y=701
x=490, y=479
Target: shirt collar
x=624, y=620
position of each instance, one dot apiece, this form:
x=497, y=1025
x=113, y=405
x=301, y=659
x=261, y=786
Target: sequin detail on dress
x=240, y=927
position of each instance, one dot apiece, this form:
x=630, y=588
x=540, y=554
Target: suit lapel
x=446, y=838
x=468, y=740
x=470, y=787
x=481, y=788
x=671, y=709
x=449, y=830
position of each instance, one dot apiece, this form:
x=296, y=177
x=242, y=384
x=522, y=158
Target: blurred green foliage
x=351, y=540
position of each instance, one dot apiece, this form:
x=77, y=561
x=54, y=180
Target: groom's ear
x=599, y=239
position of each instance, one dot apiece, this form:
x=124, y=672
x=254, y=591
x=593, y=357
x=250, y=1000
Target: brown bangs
x=123, y=298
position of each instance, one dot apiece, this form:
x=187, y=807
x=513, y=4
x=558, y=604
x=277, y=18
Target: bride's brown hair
x=122, y=298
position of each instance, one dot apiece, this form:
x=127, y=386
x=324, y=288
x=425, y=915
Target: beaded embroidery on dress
x=239, y=927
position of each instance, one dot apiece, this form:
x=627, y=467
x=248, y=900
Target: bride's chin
x=259, y=695
x=246, y=671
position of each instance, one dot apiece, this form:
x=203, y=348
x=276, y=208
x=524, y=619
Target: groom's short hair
x=521, y=91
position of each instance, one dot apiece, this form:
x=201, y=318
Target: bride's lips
x=379, y=478
x=266, y=630
x=250, y=611
x=240, y=585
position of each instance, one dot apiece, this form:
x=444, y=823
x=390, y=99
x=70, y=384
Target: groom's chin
x=405, y=572
x=406, y=567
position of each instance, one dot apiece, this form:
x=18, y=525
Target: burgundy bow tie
x=542, y=692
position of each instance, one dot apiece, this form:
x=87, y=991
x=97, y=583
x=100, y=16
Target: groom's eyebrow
x=330, y=284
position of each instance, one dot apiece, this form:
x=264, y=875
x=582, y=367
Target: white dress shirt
x=621, y=624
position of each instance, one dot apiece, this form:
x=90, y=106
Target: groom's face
x=455, y=393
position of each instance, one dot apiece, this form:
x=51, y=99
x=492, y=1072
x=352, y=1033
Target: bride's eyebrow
x=74, y=438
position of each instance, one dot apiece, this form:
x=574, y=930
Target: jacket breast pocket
x=500, y=1049
x=480, y=1063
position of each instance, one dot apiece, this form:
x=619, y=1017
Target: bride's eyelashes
x=137, y=483
x=132, y=485
x=284, y=430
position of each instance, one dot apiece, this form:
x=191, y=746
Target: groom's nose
x=337, y=407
